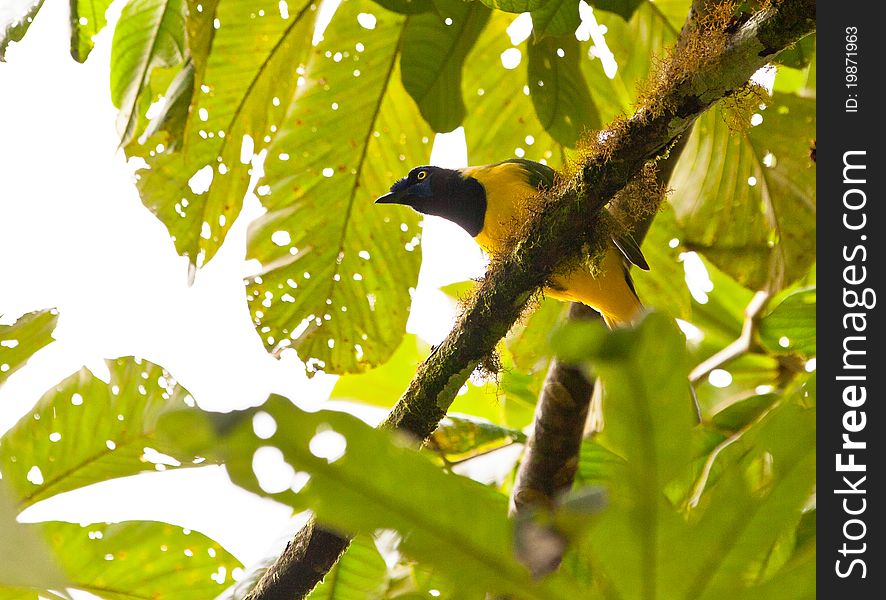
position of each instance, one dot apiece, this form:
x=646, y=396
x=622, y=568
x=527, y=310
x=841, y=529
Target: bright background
x=75, y=236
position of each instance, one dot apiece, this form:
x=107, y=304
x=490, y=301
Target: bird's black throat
x=459, y=199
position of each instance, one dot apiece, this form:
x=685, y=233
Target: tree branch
x=513, y=279
x=550, y=459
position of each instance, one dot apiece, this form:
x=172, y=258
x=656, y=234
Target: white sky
x=75, y=236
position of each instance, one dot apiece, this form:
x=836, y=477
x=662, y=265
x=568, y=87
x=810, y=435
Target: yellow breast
x=507, y=194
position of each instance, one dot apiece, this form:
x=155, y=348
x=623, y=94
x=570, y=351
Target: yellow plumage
x=507, y=192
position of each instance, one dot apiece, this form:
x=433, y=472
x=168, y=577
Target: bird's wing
x=628, y=247
x=542, y=176
x=537, y=174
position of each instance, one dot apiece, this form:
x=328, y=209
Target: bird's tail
x=625, y=314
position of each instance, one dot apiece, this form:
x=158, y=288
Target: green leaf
x=19, y=341
x=359, y=574
x=16, y=28
x=515, y=6
x=25, y=558
x=799, y=55
x=792, y=321
x=458, y=439
x=434, y=49
x=407, y=7
x=623, y=8
x=633, y=44
x=558, y=89
x=140, y=559
x=172, y=118
x=195, y=184
x=501, y=121
x=527, y=341
x=663, y=286
x=383, y=385
x=336, y=269
x=85, y=430
x=746, y=508
x=596, y=464
x=355, y=484
x=149, y=34
x=746, y=199
x=736, y=416
x=555, y=18
x=87, y=19
x=756, y=510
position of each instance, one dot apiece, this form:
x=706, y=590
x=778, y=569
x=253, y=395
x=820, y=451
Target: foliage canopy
x=314, y=109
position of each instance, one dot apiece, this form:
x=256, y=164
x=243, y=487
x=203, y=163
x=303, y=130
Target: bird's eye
x=421, y=175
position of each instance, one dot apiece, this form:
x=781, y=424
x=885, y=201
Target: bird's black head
x=441, y=192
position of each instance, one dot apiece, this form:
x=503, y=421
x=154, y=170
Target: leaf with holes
x=555, y=18
x=558, y=89
x=336, y=269
x=139, y=559
x=196, y=187
x=87, y=19
x=435, y=45
x=19, y=341
x=790, y=326
x=85, y=430
x=352, y=477
x=746, y=198
x=614, y=84
x=149, y=34
x=501, y=121
x=663, y=286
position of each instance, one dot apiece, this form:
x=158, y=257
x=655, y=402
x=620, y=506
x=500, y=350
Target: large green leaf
x=355, y=483
x=435, y=45
x=650, y=542
x=555, y=17
x=149, y=34
x=360, y=574
x=140, y=559
x=85, y=430
x=633, y=44
x=746, y=199
x=19, y=341
x=16, y=28
x=87, y=19
x=336, y=269
x=196, y=187
x=501, y=121
x=558, y=89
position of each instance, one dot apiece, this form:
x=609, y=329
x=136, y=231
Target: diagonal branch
x=512, y=279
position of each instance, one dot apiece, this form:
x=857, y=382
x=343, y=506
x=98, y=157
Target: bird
x=488, y=201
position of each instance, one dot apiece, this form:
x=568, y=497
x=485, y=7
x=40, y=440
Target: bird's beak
x=391, y=198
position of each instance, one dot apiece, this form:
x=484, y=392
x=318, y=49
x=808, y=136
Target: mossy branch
x=565, y=224
x=557, y=234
